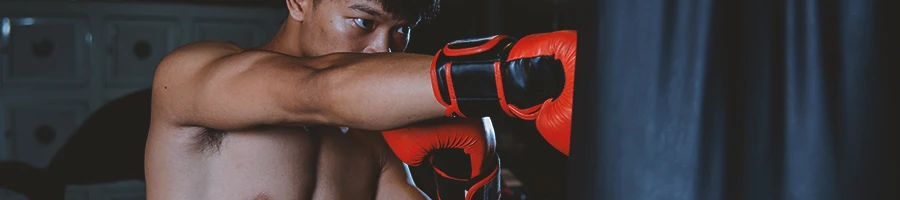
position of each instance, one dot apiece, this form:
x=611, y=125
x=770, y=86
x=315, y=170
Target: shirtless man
x=262, y=123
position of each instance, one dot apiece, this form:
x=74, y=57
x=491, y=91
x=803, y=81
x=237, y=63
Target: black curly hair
x=413, y=10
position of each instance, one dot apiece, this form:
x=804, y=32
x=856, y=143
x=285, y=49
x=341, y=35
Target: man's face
x=353, y=26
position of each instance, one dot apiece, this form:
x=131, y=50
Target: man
x=233, y=123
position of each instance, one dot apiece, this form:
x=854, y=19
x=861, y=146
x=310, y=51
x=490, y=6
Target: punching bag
x=704, y=99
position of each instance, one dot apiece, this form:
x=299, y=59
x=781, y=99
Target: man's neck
x=286, y=40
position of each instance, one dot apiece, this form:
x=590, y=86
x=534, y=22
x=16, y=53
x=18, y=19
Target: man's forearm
x=376, y=91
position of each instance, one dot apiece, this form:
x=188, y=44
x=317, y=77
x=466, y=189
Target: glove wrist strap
x=466, y=76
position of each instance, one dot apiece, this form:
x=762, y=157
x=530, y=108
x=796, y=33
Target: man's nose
x=380, y=44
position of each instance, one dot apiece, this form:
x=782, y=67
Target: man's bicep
x=238, y=90
x=396, y=182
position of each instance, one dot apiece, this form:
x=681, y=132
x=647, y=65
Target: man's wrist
x=466, y=76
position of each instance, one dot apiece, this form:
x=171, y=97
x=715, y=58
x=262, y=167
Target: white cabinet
x=78, y=194
x=43, y=52
x=123, y=190
x=121, y=193
x=10, y=195
x=241, y=34
x=134, y=46
x=61, y=60
x=38, y=128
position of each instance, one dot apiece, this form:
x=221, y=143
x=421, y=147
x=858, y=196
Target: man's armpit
x=209, y=140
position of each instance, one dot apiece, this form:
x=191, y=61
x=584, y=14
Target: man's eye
x=403, y=29
x=363, y=23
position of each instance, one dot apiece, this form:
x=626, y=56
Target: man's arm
x=218, y=86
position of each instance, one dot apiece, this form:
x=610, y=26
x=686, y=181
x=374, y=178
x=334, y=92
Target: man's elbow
x=306, y=118
x=305, y=108
x=334, y=96
x=320, y=98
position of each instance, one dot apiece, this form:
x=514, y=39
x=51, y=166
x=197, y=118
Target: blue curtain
x=766, y=99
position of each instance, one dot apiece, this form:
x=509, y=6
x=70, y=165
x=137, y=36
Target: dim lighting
x=27, y=21
x=4, y=27
x=88, y=38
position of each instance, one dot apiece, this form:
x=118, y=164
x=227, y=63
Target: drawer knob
x=43, y=48
x=142, y=49
x=44, y=134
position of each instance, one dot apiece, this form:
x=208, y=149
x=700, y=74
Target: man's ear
x=298, y=7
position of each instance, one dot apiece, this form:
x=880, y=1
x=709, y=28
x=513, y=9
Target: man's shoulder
x=199, y=53
x=182, y=66
x=184, y=62
x=207, y=46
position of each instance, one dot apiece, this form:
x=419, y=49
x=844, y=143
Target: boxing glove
x=531, y=79
x=423, y=142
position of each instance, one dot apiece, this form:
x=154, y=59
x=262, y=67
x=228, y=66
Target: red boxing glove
x=413, y=145
x=531, y=79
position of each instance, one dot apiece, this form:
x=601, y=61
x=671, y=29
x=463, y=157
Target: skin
x=261, y=123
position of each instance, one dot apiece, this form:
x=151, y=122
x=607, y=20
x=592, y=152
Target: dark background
x=737, y=99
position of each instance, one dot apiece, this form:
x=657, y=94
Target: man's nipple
x=261, y=196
